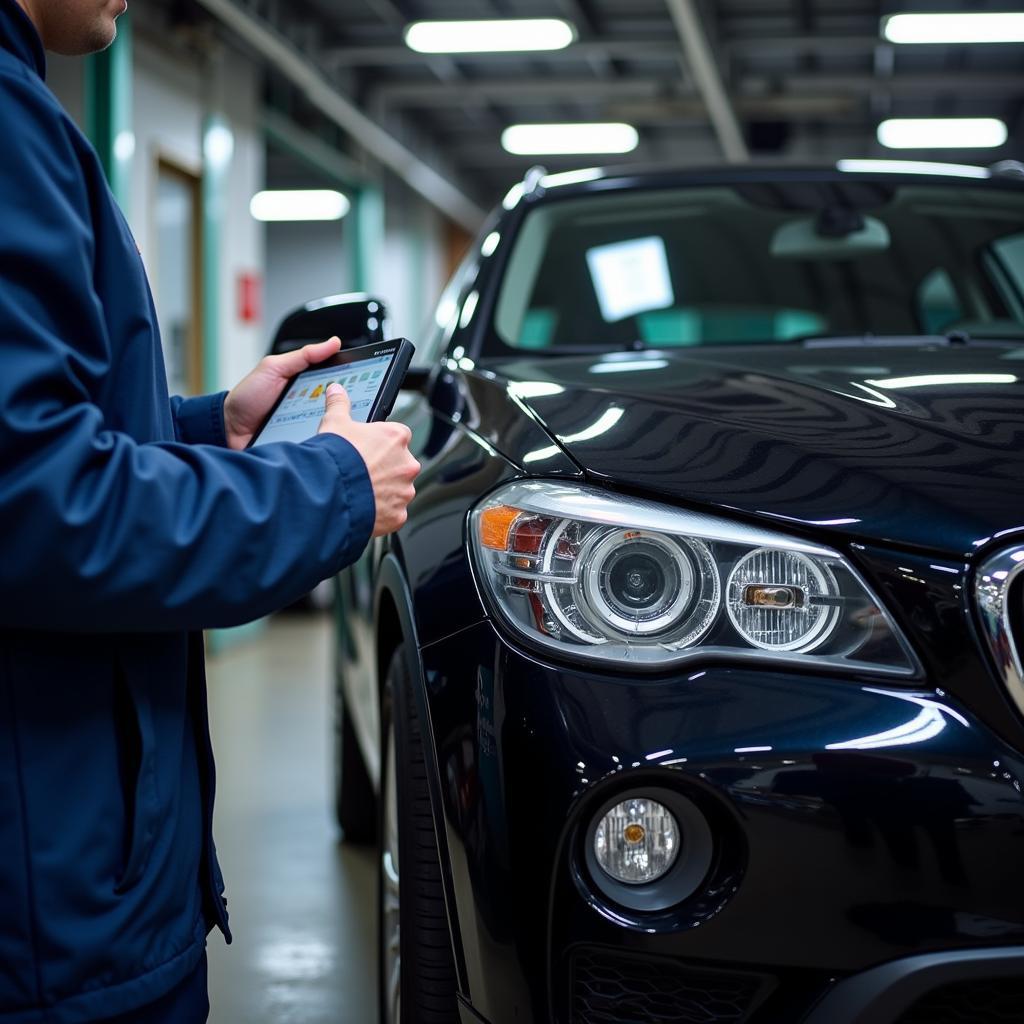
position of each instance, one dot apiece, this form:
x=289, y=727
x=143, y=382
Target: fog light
x=637, y=841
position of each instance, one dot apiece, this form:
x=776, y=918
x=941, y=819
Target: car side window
x=445, y=316
x=1006, y=258
x=938, y=304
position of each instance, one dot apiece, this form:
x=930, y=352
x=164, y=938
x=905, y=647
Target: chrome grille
x=999, y=595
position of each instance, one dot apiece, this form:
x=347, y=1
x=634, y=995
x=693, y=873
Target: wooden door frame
x=165, y=165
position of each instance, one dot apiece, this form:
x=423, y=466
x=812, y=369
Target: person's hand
x=248, y=404
x=384, y=448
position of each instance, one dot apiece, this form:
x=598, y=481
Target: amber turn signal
x=496, y=526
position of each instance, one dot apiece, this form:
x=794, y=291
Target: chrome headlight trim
x=562, y=500
x=993, y=587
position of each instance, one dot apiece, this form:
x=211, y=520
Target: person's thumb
x=338, y=401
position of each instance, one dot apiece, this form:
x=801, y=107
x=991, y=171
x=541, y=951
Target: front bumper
x=856, y=824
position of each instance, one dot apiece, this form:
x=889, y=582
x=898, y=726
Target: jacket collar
x=19, y=36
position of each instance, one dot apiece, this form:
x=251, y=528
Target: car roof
x=539, y=185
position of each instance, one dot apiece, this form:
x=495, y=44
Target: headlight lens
x=616, y=579
x=628, y=583
x=783, y=601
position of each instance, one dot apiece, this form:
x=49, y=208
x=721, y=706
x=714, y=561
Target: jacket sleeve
x=200, y=420
x=99, y=532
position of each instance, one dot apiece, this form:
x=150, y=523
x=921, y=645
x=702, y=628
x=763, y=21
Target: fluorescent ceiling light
x=912, y=167
x=942, y=133
x=491, y=36
x=300, y=205
x=980, y=27
x=569, y=139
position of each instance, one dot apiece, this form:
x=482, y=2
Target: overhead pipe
x=702, y=66
x=381, y=144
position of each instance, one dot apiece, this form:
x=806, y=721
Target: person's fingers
x=288, y=364
x=321, y=350
x=338, y=400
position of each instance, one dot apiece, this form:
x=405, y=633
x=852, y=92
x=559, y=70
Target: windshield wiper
x=954, y=338
x=585, y=350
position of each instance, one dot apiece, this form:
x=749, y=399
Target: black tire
x=427, y=976
x=355, y=804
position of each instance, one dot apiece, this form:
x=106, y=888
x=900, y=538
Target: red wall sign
x=250, y=297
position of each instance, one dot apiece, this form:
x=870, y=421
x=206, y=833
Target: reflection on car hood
x=921, y=446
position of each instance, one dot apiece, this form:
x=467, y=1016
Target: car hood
x=920, y=446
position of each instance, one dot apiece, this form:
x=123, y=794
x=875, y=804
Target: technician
x=129, y=522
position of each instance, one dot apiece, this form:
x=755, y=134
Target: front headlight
x=616, y=579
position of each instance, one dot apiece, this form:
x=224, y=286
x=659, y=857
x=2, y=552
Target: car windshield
x=764, y=263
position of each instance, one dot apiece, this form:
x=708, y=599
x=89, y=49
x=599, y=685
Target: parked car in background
x=692, y=689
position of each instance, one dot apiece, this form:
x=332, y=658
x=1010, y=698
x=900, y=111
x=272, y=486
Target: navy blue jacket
x=125, y=526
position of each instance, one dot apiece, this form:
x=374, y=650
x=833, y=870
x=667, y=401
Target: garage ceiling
x=806, y=80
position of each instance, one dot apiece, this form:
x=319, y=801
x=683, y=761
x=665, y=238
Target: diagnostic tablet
x=372, y=375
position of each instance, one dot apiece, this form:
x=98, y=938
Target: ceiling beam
x=585, y=50
x=704, y=70
x=760, y=45
x=436, y=187
x=311, y=150
x=809, y=107
x=592, y=47
x=439, y=94
x=387, y=11
x=687, y=150
x=794, y=89
x=996, y=85
x=577, y=13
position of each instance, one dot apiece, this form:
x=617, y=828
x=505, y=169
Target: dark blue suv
x=692, y=691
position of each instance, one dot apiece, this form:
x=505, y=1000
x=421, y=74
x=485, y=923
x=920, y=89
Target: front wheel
x=417, y=972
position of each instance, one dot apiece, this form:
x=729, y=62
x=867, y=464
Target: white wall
x=66, y=77
x=173, y=94
x=304, y=261
x=242, y=244
x=407, y=266
x=173, y=99
x=409, y=270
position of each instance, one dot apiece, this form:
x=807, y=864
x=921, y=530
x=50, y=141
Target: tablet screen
x=302, y=408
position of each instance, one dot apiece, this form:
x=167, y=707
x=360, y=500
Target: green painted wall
x=108, y=110
x=365, y=232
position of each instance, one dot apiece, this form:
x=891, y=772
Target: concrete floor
x=302, y=907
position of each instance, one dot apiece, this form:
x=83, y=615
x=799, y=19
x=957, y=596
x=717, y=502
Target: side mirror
x=356, y=319
x=417, y=378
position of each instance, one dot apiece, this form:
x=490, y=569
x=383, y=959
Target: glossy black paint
x=487, y=404
x=930, y=598
x=804, y=436
x=885, y=992
x=828, y=861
